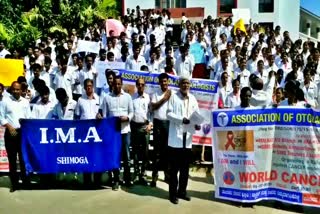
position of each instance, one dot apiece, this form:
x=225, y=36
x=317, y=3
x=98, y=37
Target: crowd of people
x=253, y=67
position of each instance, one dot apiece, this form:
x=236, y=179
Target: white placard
x=242, y=13
x=88, y=46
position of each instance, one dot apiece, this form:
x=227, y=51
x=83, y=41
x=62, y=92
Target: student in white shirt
x=169, y=66
x=184, y=64
x=38, y=55
x=271, y=66
x=245, y=97
x=305, y=52
x=36, y=70
x=225, y=88
x=295, y=74
x=252, y=63
x=309, y=88
x=89, y=71
x=124, y=54
x=135, y=61
x=224, y=66
x=153, y=64
x=65, y=108
x=169, y=25
x=159, y=106
x=44, y=108
x=39, y=85
x=233, y=99
x=293, y=93
x=13, y=109
x=141, y=126
x=242, y=73
x=46, y=72
x=181, y=106
x=261, y=72
x=214, y=58
x=184, y=18
x=223, y=42
x=285, y=63
x=63, y=79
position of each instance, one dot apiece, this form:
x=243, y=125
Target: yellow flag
x=239, y=24
x=10, y=70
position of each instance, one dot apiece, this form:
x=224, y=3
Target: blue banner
x=52, y=146
x=197, y=85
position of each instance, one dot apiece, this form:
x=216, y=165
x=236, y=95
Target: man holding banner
x=140, y=129
x=87, y=108
x=12, y=111
x=119, y=104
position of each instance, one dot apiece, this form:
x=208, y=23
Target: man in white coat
x=180, y=108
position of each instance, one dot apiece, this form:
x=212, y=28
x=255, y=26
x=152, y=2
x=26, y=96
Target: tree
x=27, y=21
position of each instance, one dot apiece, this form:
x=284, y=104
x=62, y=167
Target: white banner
x=88, y=46
x=270, y=153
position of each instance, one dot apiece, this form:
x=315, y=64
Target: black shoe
x=13, y=189
x=143, y=181
x=109, y=183
x=174, y=200
x=128, y=184
x=184, y=197
x=247, y=205
x=166, y=179
x=153, y=184
x=115, y=186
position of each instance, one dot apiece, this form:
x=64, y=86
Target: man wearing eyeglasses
x=140, y=128
x=180, y=108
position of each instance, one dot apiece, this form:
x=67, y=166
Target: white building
x=286, y=13
x=309, y=26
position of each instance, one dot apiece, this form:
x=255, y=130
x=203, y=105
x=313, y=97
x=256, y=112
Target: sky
x=311, y=5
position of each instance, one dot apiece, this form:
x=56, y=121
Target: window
x=266, y=6
x=171, y=3
x=225, y=7
x=265, y=25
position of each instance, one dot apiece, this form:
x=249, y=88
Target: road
x=138, y=199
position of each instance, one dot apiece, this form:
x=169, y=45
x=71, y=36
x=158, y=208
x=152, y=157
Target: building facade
x=309, y=26
x=286, y=13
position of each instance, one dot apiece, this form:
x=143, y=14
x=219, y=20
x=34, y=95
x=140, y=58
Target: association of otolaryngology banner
x=270, y=153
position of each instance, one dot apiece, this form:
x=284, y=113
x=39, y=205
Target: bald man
x=12, y=111
x=259, y=97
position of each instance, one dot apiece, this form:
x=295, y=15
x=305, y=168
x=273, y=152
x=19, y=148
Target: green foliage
x=26, y=21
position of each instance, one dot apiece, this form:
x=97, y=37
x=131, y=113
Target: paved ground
x=137, y=199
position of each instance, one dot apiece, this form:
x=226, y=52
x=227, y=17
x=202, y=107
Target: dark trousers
x=139, y=143
x=179, y=160
x=125, y=153
x=160, y=148
x=87, y=178
x=13, y=147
